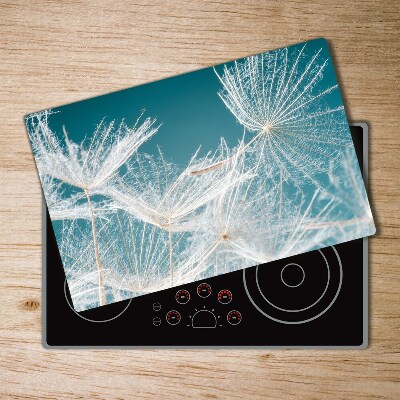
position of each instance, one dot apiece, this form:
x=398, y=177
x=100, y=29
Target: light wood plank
x=54, y=52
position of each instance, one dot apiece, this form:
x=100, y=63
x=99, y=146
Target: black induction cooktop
x=316, y=299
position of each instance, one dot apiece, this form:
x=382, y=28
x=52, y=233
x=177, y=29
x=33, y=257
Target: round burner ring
x=302, y=273
x=89, y=319
x=302, y=315
x=298, y=309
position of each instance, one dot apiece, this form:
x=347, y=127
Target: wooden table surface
x=53, y=53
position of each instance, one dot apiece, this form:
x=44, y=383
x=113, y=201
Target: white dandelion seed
x=236, y=236
x=281, y=98
x=260, y=220
x=90, y=164
x=156, y=191
x=62, y=206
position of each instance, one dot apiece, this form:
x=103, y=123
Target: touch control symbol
x=156, y=321
x=204, y=290
x=173, y=317
x=225, y=296
x=182, y=296
x=156, y=306
x=234, y=317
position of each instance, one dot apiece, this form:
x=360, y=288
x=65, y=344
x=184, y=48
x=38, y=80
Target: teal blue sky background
x=187, y=106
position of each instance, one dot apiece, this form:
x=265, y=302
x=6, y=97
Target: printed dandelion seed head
x=258, y=221
x=157, y=191
x=93, y=162
x=229, y=231
x=283, y=100
x=74, y=207
x=89, y=165
x=280, y=86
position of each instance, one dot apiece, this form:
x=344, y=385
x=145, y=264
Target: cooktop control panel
x=205, y=308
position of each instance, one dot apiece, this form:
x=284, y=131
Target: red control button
x=234, y=317
x=224, y=296
x=173, y=317
x=182, y=296
x=204, y=290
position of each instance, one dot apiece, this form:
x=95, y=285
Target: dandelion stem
x=102, y=296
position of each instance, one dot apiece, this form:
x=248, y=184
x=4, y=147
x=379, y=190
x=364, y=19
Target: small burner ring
x=93, y=320
x=291, y=269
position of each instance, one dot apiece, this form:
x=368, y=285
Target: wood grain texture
x=53, y=53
